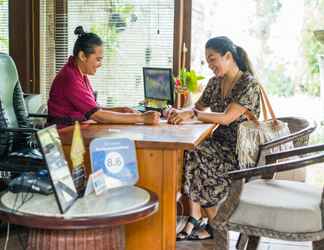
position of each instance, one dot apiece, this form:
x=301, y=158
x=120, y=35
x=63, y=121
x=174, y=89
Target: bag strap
x=263, y=107
x=266, y=107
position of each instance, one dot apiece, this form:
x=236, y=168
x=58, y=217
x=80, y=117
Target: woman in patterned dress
x=229, y=94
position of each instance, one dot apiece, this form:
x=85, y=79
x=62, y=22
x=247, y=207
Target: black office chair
x=18, y=148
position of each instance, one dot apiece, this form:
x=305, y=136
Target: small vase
x=183, y=98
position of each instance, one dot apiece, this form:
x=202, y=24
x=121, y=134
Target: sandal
x=183, y=235
x=196, y=236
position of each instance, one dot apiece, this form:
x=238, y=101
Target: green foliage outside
x=267, y=12
x=279, y=83
x=312, y=47
x=3, y=40
x=120, y=16
x=304, y=79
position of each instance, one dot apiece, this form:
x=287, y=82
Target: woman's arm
x=105, y=116
x=177, y=116
x=120, y=109
x=200, y=107
x=232, y=113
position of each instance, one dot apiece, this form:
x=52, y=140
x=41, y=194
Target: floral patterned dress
x=205, y=165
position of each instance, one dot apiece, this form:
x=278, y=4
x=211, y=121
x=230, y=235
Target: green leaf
x=189, y=80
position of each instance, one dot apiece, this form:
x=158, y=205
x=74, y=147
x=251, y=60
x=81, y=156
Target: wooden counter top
x=184, y=136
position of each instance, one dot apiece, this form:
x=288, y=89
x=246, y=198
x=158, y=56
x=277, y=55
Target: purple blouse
x=71, y=96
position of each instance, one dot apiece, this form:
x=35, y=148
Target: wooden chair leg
x=225, y=211
x=253, y=243
x=241, y=242
x=318, y=245
x=221, y=240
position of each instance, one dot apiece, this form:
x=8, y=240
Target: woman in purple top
x=71, y=96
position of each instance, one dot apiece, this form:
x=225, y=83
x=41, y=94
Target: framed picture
x=63, y=185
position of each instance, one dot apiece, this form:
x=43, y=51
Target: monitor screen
x=158, y=84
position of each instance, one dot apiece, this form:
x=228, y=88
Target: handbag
x=252, y=133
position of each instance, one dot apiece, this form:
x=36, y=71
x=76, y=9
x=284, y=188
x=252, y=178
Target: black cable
x=25, y=199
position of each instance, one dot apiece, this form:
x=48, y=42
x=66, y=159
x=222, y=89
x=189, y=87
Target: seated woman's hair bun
x=85, y=42
x=79, y=31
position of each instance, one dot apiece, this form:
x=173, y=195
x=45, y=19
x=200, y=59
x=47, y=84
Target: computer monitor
x=158, y=84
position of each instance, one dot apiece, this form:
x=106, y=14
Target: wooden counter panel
x=168, y=201
x=146, y=234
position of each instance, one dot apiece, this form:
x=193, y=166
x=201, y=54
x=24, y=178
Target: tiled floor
x=15, y=243
x=266, y=244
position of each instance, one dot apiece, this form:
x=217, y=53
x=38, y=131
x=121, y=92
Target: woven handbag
x=252, y=133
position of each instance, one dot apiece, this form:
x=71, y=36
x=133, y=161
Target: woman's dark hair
x=223, y=44
x=86, y=42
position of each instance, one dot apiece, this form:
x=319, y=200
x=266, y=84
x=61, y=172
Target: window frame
x=182, y=33
x=27, y=54
x=24, y=42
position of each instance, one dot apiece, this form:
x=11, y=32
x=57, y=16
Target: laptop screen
x=58, y=168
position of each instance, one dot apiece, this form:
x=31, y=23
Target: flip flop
x=195, y=236
x=183, y=235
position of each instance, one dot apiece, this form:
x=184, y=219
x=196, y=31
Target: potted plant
x=186, y=83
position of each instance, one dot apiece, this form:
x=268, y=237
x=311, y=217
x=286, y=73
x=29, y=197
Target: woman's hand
x=196, y=113
x=151, y=118
x=250, y=116
x=176, y=116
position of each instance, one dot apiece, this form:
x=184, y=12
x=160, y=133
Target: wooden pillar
x=182, y=33
x=24, y=42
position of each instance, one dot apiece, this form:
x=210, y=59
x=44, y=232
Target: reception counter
x=160, y=159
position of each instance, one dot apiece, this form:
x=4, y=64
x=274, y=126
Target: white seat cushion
x=284, y=206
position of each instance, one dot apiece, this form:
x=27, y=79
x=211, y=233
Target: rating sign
x=114, y=162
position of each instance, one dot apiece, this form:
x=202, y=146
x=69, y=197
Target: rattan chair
x=279, y=209
x=300, y=130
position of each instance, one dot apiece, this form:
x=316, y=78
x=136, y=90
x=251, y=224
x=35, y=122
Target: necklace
x=230, y=85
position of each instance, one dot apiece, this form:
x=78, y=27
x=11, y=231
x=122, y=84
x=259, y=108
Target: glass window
x=4, y=30
x=135, y=34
